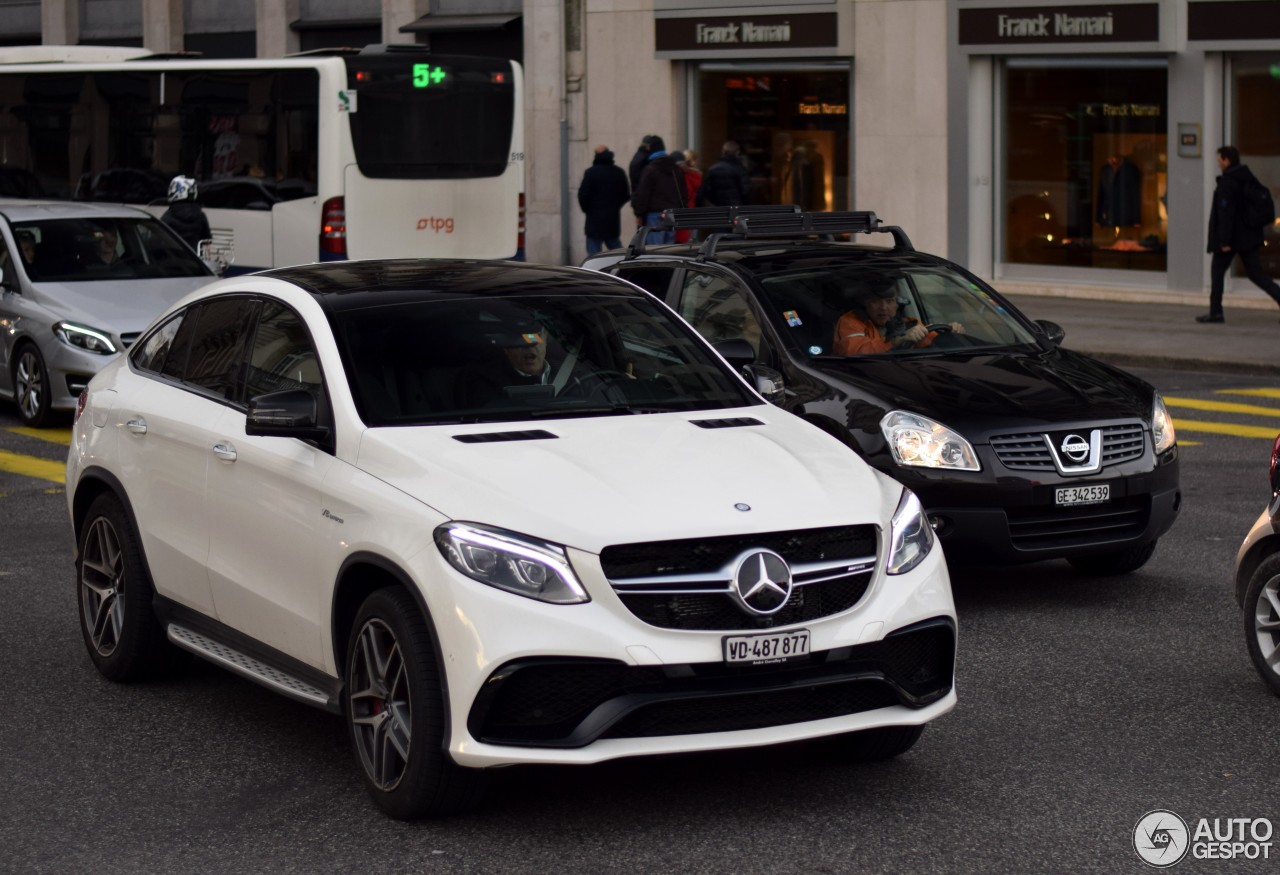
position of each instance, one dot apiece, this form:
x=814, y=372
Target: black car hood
x=984, y=392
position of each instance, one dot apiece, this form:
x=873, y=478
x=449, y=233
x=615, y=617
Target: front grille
x=1043, y=528
x=573, y=702
x=1029, y=451
x=698, y=555
x=718, y=611
x=687, y=584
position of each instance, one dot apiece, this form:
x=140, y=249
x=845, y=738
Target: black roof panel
x=354, y=284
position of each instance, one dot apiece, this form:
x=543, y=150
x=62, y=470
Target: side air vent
x=737, y=422
x=495, y=437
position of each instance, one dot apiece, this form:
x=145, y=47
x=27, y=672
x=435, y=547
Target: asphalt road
x=1083, y=705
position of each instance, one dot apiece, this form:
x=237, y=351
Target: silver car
x=78, y=281
x=1257, y=578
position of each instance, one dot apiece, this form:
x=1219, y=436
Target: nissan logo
x=1075, y=448
x=762, y=582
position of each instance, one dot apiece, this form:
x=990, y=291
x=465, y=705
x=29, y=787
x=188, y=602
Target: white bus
x=386, y=152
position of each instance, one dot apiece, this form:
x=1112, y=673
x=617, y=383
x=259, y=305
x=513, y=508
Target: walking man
x=602, y=194
x=1231, y=234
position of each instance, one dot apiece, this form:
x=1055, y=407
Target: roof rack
x=766, y=221
x=705, y=219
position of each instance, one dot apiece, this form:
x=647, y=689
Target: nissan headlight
x=86, y=339
x=918, y=441
x=510, y=562
x=910, y=535
x=1161, y=426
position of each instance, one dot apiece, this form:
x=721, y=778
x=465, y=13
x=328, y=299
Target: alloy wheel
x=1266, y=623
x=29, y=384
x=381, y=709
x=102, y=579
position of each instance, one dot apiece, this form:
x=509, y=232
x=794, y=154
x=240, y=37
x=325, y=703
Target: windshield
x=93, y=250
x=888, y=308
x=477, y=359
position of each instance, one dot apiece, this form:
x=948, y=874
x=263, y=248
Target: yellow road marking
x=1261, y=393
x=30, y=466
x=1249, y=431
x=1223, y=406
x=1183, y=443
x=53, y=435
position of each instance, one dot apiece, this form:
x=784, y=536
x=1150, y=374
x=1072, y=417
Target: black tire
x=1262, y=621
x=873, y=745
x=396, y=713
x=31, y=386
x=1116, y=562
x=125, y=640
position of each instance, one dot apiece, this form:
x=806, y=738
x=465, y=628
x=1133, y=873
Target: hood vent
x=494, y=437
x=736, y=422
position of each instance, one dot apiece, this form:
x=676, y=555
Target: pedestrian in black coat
x=1230, y=235
x=602, y=195
x=662, y=187
x=726, y=183
x=640, y=159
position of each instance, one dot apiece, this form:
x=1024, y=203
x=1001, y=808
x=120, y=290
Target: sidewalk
x=1140, y=329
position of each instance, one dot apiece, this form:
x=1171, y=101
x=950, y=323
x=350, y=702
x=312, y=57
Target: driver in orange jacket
x=878, y=330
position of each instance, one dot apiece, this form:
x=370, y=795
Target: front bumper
x=1014, y=519
x=529, y=682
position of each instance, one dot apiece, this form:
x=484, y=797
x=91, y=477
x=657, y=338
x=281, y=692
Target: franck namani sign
x=1121, y=23
x=749, y=32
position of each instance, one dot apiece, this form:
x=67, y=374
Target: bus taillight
x=333, y=230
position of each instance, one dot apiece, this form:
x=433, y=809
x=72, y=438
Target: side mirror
x=289, y=413
x=217, y=255
x=768, y=382
x=1053, y=332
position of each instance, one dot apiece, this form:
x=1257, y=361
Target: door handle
x=137, y=426
x=225, y=451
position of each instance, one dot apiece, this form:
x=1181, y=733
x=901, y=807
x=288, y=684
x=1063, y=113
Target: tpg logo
x=436, y=224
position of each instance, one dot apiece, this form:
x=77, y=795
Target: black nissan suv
x=1020, y=450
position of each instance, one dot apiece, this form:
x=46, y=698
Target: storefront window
x=1086, y=164
x=1255, y=93
x=792, y=124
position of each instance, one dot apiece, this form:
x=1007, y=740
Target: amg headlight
x=1161, y=426
x=910, y=535
x=919, y=441
x=510, y=562
x=83, y=338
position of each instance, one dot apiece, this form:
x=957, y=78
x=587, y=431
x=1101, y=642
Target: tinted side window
x=282, y=356
x=655, y=281
x=151, y=354
x=715, y=306
x=217, y=358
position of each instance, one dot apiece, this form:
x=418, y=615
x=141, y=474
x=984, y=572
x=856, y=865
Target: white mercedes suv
x=495, y=513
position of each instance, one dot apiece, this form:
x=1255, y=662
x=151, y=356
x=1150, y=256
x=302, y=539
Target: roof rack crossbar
x=705, y=218
x=766, y=220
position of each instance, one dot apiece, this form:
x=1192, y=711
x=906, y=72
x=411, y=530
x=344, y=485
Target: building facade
x=1063, y=148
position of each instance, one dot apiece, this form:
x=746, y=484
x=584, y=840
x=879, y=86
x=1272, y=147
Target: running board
x=254, y=669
